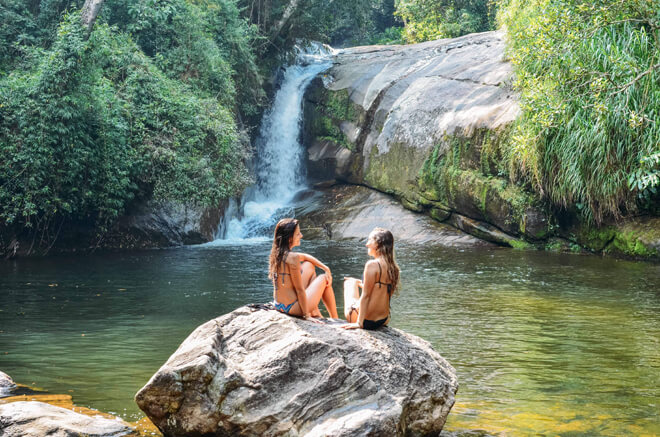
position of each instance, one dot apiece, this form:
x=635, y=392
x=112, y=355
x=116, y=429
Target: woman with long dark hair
x=379, y=281
x=297, y=289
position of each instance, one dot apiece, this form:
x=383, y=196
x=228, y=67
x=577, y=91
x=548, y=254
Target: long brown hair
x=385, y=246
x=284, y=231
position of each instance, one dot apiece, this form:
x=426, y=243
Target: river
x=543, y=343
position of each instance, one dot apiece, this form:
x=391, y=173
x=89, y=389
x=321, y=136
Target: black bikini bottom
x=371, y=325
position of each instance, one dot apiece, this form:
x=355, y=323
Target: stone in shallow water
x=262, y=373
x=37, y=419
x=6, y=384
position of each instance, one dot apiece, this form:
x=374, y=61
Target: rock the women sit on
x=296, y=288
x=379, y=281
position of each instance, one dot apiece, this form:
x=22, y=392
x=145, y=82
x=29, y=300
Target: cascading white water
x=279, y=159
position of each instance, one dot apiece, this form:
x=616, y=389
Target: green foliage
x=18, y=27
x=61, y=138
x=391, y=35
x=337, y=22
x=427, y=20
x=96, y=123
x=588, y=76
x=646, y=179
x=204, y=43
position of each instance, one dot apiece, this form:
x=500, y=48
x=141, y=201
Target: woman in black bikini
x=297, y=289
x=379, y=281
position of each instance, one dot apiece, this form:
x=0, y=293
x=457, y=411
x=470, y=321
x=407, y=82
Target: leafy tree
x=96, y=123
x=432, y=19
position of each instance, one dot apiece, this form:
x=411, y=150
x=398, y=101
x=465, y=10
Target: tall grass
x=589, y=75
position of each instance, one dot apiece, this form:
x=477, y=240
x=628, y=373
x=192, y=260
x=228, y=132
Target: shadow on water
x=542, y=343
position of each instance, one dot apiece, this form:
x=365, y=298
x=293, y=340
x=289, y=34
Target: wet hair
x=385, y=247
x=284, y=232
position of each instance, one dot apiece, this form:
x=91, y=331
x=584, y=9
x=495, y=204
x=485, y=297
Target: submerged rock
x=262, y=373
x=6, y=384
x=38, y=419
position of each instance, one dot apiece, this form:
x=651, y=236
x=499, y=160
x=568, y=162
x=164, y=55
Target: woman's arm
x=369, y=280
x=293, y=261
x=369, y=276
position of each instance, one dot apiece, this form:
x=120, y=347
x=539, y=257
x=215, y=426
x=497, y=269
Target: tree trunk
x=277, y=27
x=90, y=11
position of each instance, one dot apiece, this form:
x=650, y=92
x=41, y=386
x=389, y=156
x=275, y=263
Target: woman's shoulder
x=292, y=258
x=371, y=266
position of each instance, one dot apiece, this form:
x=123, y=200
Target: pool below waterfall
x=543, y=343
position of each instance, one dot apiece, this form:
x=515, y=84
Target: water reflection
x=543, y=343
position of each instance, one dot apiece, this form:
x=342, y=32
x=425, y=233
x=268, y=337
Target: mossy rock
x=638, y=238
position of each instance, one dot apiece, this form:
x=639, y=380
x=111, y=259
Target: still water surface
x=544, y=344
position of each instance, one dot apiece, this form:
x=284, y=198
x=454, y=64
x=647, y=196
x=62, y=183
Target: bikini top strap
x=380, y=273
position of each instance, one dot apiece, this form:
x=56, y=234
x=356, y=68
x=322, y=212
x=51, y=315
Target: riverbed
x=543, y=343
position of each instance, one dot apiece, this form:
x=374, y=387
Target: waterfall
x=279, y=167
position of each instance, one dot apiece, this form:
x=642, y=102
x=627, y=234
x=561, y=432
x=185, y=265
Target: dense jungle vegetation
x=157, y=102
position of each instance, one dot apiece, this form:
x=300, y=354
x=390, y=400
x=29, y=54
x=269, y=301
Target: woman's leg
x=308, y=273
x=351, y=296
x=329, y=301
x=317, y=290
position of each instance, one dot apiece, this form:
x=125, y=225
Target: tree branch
x=637, y=78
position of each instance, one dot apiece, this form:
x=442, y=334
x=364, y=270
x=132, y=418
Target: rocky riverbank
x=146, y=225
x=26, y=412
x=428, y=123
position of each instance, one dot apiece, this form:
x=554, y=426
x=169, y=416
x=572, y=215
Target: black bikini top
x=389, y=284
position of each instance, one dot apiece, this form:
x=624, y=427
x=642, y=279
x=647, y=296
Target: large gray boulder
x=427, y=123
x=38, y=419
x=257, y=372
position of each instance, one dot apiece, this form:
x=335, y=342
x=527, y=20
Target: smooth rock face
x=168, y=224
x=415, y=96
x=346, y=212
x=37, y=419
x=430, y=89
x=262, y=373
x=424, y=122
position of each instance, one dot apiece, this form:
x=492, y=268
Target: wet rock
x=262, y=373
x=165, y=224
x=346, y=212
x=38, y=419
x=482, y=230
x=636, y=237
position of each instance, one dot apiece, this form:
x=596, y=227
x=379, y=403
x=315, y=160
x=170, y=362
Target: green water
x=543, y=344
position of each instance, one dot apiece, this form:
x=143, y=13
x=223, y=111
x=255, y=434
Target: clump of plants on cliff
x=589, y=76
